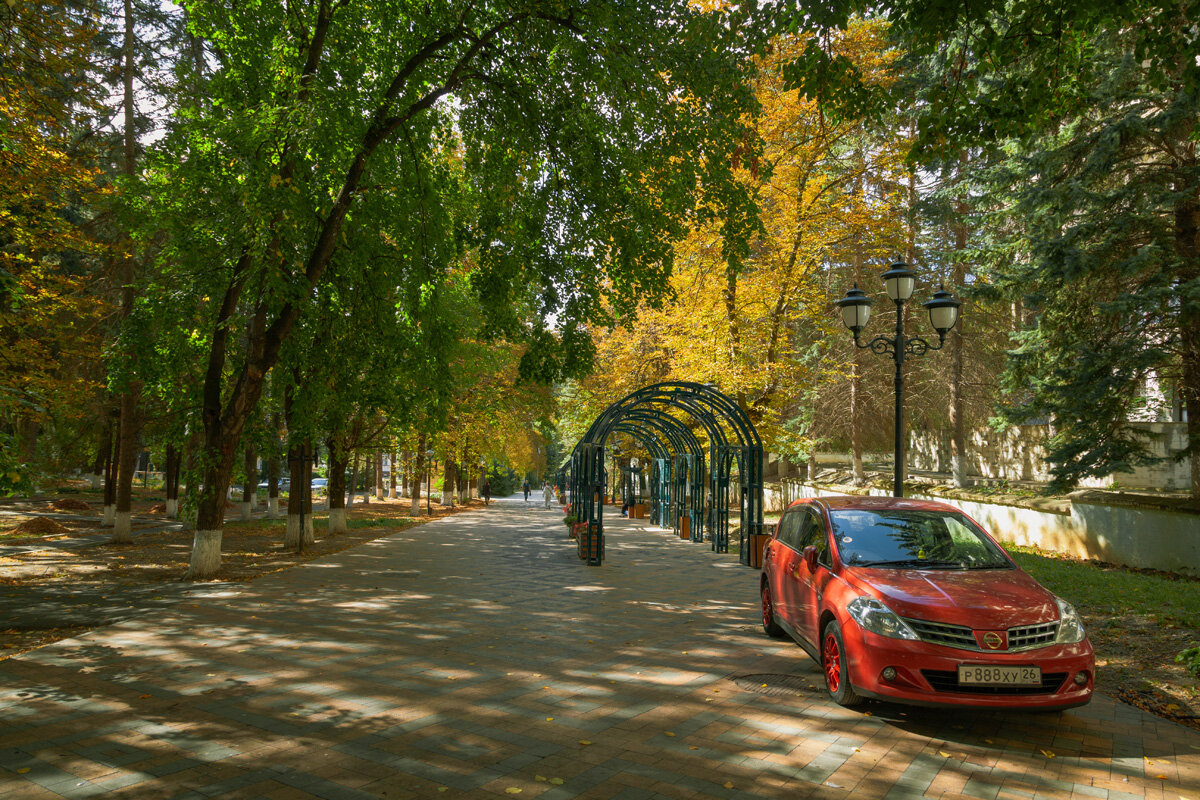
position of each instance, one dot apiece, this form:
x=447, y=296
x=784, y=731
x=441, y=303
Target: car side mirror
x=810, y=557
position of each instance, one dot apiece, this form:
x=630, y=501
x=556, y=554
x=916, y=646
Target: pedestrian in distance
x=525, y=486
x=547, y=494
x=487, y=491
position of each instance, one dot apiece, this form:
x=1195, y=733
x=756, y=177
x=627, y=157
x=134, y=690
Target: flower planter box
x=577, y=528
x=685, y=527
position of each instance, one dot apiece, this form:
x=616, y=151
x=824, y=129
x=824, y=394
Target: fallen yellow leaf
x=512, y=790
x=540, y=778
x=584, y=742
x=943, y=754
x=556, y=781
x=1047, y=754
x=22, y=770
x=727, y=785
x=669, y=733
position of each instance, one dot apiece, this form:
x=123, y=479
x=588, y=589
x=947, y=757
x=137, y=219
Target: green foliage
x=1190, y=658
x=1105, y=591
x=15, y=477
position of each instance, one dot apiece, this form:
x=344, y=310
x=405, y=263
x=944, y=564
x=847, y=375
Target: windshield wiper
x=928, y=563
x=991, y=565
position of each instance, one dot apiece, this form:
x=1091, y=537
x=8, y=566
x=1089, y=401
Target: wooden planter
x=685, y=527
x=577, y=528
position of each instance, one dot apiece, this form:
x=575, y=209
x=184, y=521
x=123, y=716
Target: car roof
x=863, y=503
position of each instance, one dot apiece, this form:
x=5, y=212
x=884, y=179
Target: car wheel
x=837, y=670
x=770, y=626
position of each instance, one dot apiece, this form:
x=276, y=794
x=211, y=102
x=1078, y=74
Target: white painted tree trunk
x=416, y=504
x=122, y=526
x=273, y=507
x=109, y=516
x=172, y=509
x=392, y=493
x=291, y=537
x=447, y=496
x=337, y=520
x=247, y=508
x=350, y=499
x=95, y=481
x=309, y=534
x=206, y=555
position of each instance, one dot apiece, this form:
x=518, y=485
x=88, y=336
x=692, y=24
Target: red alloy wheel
x=833, y=663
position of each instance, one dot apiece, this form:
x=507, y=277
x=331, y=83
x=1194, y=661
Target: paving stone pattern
x=477, y=657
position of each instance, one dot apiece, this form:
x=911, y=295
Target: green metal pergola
x=683, y=483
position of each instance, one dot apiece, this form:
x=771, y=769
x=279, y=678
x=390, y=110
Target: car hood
x=981, y=599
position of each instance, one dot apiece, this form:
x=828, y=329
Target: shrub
x=1190, y=659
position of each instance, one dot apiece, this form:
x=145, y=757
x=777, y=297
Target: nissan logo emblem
x=992, y=640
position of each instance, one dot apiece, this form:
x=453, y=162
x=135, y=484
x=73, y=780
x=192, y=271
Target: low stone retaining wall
x=1135, y=537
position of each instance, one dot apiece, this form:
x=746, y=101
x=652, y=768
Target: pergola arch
x=685, y=484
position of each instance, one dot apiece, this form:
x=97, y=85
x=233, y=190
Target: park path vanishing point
x=476, y=656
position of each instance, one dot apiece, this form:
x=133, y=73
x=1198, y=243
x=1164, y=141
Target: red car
x=913, y=602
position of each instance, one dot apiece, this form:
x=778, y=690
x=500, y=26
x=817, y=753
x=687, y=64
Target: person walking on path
x=525, y=486
x=547, y=494
x=487, y=491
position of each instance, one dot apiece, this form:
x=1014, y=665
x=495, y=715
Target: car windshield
x=914, y=540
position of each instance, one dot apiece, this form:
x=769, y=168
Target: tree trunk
x=274, y=469
x=449, y=479
x=353, y=480
x=394, y=477
x=337, y=487
x=210, y=513
x=418, y=475
x=127, y=438
x=170, y=484
x=292, y=534
x=958, y=437
x=110, y=474
x=378, y=474
x=250, y=467
x=1187, y=237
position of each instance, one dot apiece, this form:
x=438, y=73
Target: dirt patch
x=71, y=504
x=39, y=526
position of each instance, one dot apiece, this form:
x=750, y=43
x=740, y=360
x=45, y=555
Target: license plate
x=989, y=675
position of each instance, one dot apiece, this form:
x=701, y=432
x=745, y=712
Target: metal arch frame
x=641, y=414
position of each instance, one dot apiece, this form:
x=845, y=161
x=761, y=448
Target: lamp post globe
x=943, y=311
x=856, y=310
x=899, y=281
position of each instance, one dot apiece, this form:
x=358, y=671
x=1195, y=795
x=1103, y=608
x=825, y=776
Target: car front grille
x=947, y=681
x=1027, y=637
x=1021, y=637
x=940, y=633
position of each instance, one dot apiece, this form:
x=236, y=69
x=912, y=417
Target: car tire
x=770, y=626
x=836, y=668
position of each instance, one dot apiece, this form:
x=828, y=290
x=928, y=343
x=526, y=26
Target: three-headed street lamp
x=900, y=281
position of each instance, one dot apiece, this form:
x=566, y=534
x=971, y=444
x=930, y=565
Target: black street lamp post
x=943, y=314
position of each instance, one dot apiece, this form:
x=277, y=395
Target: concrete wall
x=1134, y=537
x=1018, y=454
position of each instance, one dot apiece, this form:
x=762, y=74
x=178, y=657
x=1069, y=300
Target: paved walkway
x=476, y=657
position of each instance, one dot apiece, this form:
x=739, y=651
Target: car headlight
x=874, y=616
x=1070, y=628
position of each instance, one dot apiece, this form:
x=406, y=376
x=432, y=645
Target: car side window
x=789, y=529
x=819, y=538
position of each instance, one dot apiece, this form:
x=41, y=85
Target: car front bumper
x=927, y=674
